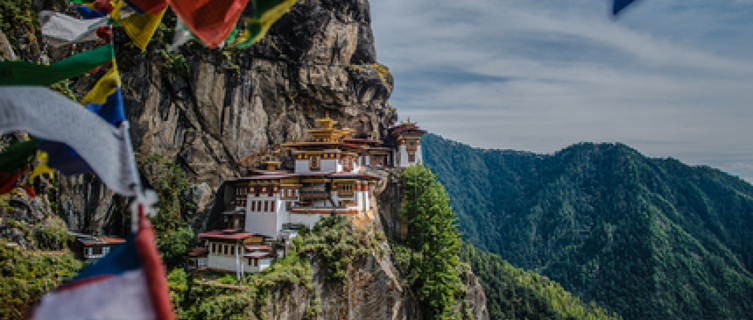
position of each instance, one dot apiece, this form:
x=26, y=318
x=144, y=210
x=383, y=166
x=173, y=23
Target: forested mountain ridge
x=646, y=238
x=514, y=293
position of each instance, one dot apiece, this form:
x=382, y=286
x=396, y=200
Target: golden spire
x=327, y=122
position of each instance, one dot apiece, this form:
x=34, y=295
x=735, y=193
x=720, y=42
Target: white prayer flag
x=62, y=29
x=49, y=115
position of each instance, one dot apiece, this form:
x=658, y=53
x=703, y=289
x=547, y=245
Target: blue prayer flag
x=619, y=5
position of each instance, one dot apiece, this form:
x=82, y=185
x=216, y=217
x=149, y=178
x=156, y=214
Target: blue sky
x=671, y=78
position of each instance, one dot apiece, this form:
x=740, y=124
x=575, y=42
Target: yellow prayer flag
x=104, y=87
x=139, y=27
x=41, y=167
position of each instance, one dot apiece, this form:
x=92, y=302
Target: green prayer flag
x=17, y=155
x=266, y=13
x=22, y=73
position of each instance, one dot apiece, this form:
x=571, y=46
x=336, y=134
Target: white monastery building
x=328, y=177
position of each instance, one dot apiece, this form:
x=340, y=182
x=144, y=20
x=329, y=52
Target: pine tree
x=433, y=239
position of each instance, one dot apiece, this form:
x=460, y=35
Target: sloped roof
x=229, y=234
x=99, y=241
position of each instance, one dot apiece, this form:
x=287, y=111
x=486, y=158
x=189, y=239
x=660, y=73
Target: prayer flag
x=24, y=73
x=266, y=13
x=49, y=115
x=14, y=157
x=105, y=100
x=147, y=6
x=139, y=27
x=61, y=29
x=14, y=162
x=182, y=35
x=89, y=13
x=41, y=167
x=210, y=20
x=128, y=283
x=619, y=5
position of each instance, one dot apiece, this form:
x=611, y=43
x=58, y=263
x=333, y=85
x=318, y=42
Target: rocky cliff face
x=210, y=110
x=373, y=287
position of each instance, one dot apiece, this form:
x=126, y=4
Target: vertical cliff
x=339, y=270
x=208, y=110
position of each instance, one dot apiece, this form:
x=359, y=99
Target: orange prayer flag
x=210, y=20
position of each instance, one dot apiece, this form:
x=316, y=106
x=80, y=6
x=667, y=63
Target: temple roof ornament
x=326, y=122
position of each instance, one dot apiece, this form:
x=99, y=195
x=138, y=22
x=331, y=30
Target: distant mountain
x=646, y=238
x=512, y=293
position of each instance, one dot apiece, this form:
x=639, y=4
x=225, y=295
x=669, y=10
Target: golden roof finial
x=326, y=122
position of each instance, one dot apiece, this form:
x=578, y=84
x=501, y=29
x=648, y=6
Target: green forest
x=513, y=293
x=645, y=238
x=428, y=256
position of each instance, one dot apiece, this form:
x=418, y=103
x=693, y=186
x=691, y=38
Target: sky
x=670, y=78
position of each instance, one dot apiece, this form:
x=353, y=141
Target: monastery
x=329, y=177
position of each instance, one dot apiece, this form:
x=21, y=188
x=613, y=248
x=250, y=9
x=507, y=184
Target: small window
x=232, y=250
x=214, y=248
x=266, y=206
x=97, y=250
x=314, y=163
x=272, y=206
x=253, y=205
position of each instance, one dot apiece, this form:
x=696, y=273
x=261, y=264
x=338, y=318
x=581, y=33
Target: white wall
x=330, y=165
x=302, y=166
x=265, y=222
x=308, y=220
x=228, y=263
x=403, y=157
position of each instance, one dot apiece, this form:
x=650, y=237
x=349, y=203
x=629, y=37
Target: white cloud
x=541, y=75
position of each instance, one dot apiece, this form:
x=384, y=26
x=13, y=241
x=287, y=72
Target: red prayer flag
x=8, y=181
x=210, y=20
